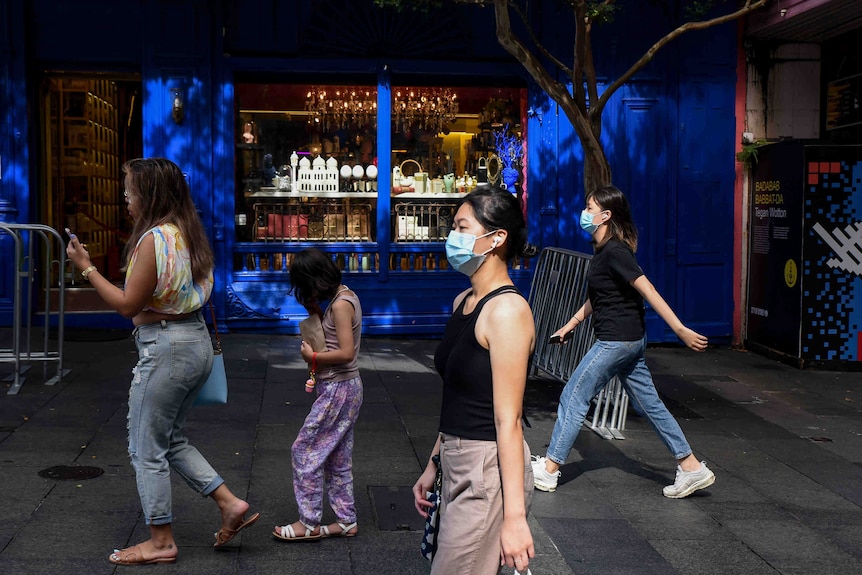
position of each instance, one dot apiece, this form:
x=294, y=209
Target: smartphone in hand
x=554, y=339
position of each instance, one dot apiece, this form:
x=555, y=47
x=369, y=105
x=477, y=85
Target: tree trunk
x=587, y=122
x=597, y=170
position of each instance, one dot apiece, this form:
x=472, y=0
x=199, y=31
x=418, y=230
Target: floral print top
x=176, y=292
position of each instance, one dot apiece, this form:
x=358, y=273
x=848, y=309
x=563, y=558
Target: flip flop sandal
x=345, y=530
x=135, y=557
x=224, y=535
x=287, y=533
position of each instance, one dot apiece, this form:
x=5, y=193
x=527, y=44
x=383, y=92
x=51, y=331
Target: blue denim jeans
x=174, y=361
x=605, y=359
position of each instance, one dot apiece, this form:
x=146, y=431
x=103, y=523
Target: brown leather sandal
x=133, y=556
x=224, y=535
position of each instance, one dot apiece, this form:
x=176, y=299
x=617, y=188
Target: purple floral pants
x=323, y=453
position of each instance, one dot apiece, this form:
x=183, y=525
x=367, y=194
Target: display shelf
x=263, y=259
x=422, y=221
x=272, y=192
x=85, y=188
x=429, y=196
x=322, y=221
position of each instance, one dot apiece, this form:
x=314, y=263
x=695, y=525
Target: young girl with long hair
x=323, y=450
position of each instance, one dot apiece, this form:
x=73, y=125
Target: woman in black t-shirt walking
x=617, y=288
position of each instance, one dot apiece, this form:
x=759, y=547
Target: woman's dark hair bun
x=528, y=250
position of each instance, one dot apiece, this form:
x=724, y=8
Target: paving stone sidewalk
x=786, y=446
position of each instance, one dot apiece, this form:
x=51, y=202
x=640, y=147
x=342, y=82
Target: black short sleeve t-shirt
x=618, y=308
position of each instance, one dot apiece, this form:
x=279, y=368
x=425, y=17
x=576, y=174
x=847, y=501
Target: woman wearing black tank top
x=483, y=359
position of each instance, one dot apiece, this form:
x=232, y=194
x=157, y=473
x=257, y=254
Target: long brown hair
x=314, y=278
x=621, y=227
x=163, y=197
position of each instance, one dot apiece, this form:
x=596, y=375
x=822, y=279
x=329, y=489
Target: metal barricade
x=25, y=269
x=558, y=290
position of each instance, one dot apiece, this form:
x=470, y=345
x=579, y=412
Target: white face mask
x=459, y=252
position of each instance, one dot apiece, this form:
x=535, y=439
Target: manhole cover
x=71, y=473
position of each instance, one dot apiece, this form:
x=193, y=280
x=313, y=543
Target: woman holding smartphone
x=617, y=288
x=169, y=277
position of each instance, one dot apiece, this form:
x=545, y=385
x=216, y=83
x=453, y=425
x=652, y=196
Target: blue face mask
x=459, y=252
x=587, y=222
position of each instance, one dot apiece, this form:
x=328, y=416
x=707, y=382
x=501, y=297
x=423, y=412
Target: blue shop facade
x=356, y=130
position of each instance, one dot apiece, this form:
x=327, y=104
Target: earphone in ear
x=495, y=242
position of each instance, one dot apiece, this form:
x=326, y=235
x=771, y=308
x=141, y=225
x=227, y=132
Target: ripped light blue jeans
x=174, y=360
x=605, y=359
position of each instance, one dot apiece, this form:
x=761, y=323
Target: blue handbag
x=214, y=390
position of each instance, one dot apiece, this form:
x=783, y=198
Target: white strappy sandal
x=287, y=533
x=345, y=530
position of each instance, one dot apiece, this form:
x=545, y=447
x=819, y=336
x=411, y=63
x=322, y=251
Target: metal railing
x=25, y=270
x=422, y=222
x=558, y=290
x=329, y=221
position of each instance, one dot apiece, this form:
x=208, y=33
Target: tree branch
x=749, y=6
x=539, y=46
x=557, y=91
x=592, y=86
x=580, y=13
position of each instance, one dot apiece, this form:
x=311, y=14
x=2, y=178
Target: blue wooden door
x=703, y=243
x=14, y=160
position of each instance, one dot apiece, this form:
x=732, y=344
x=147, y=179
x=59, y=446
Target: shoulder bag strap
x=215, y=327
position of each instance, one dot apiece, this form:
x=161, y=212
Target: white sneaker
x=542, y=479
x=687, y=482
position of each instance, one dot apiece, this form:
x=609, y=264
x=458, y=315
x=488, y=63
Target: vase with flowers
x=510, y=151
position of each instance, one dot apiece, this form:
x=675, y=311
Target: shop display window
x=296, y=165
x=442, y=139
x=307, y=170
x=91, y=126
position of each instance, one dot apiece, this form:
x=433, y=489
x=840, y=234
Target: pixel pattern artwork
x=832, y=262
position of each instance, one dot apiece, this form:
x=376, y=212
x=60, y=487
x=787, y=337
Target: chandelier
x=337, y=107
x=431, y=109
x=334, y=107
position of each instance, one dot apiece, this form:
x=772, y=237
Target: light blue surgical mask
x=459, y=252
x=587, y=222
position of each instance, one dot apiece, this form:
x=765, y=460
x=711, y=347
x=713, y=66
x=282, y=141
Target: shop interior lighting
x=337, y=107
